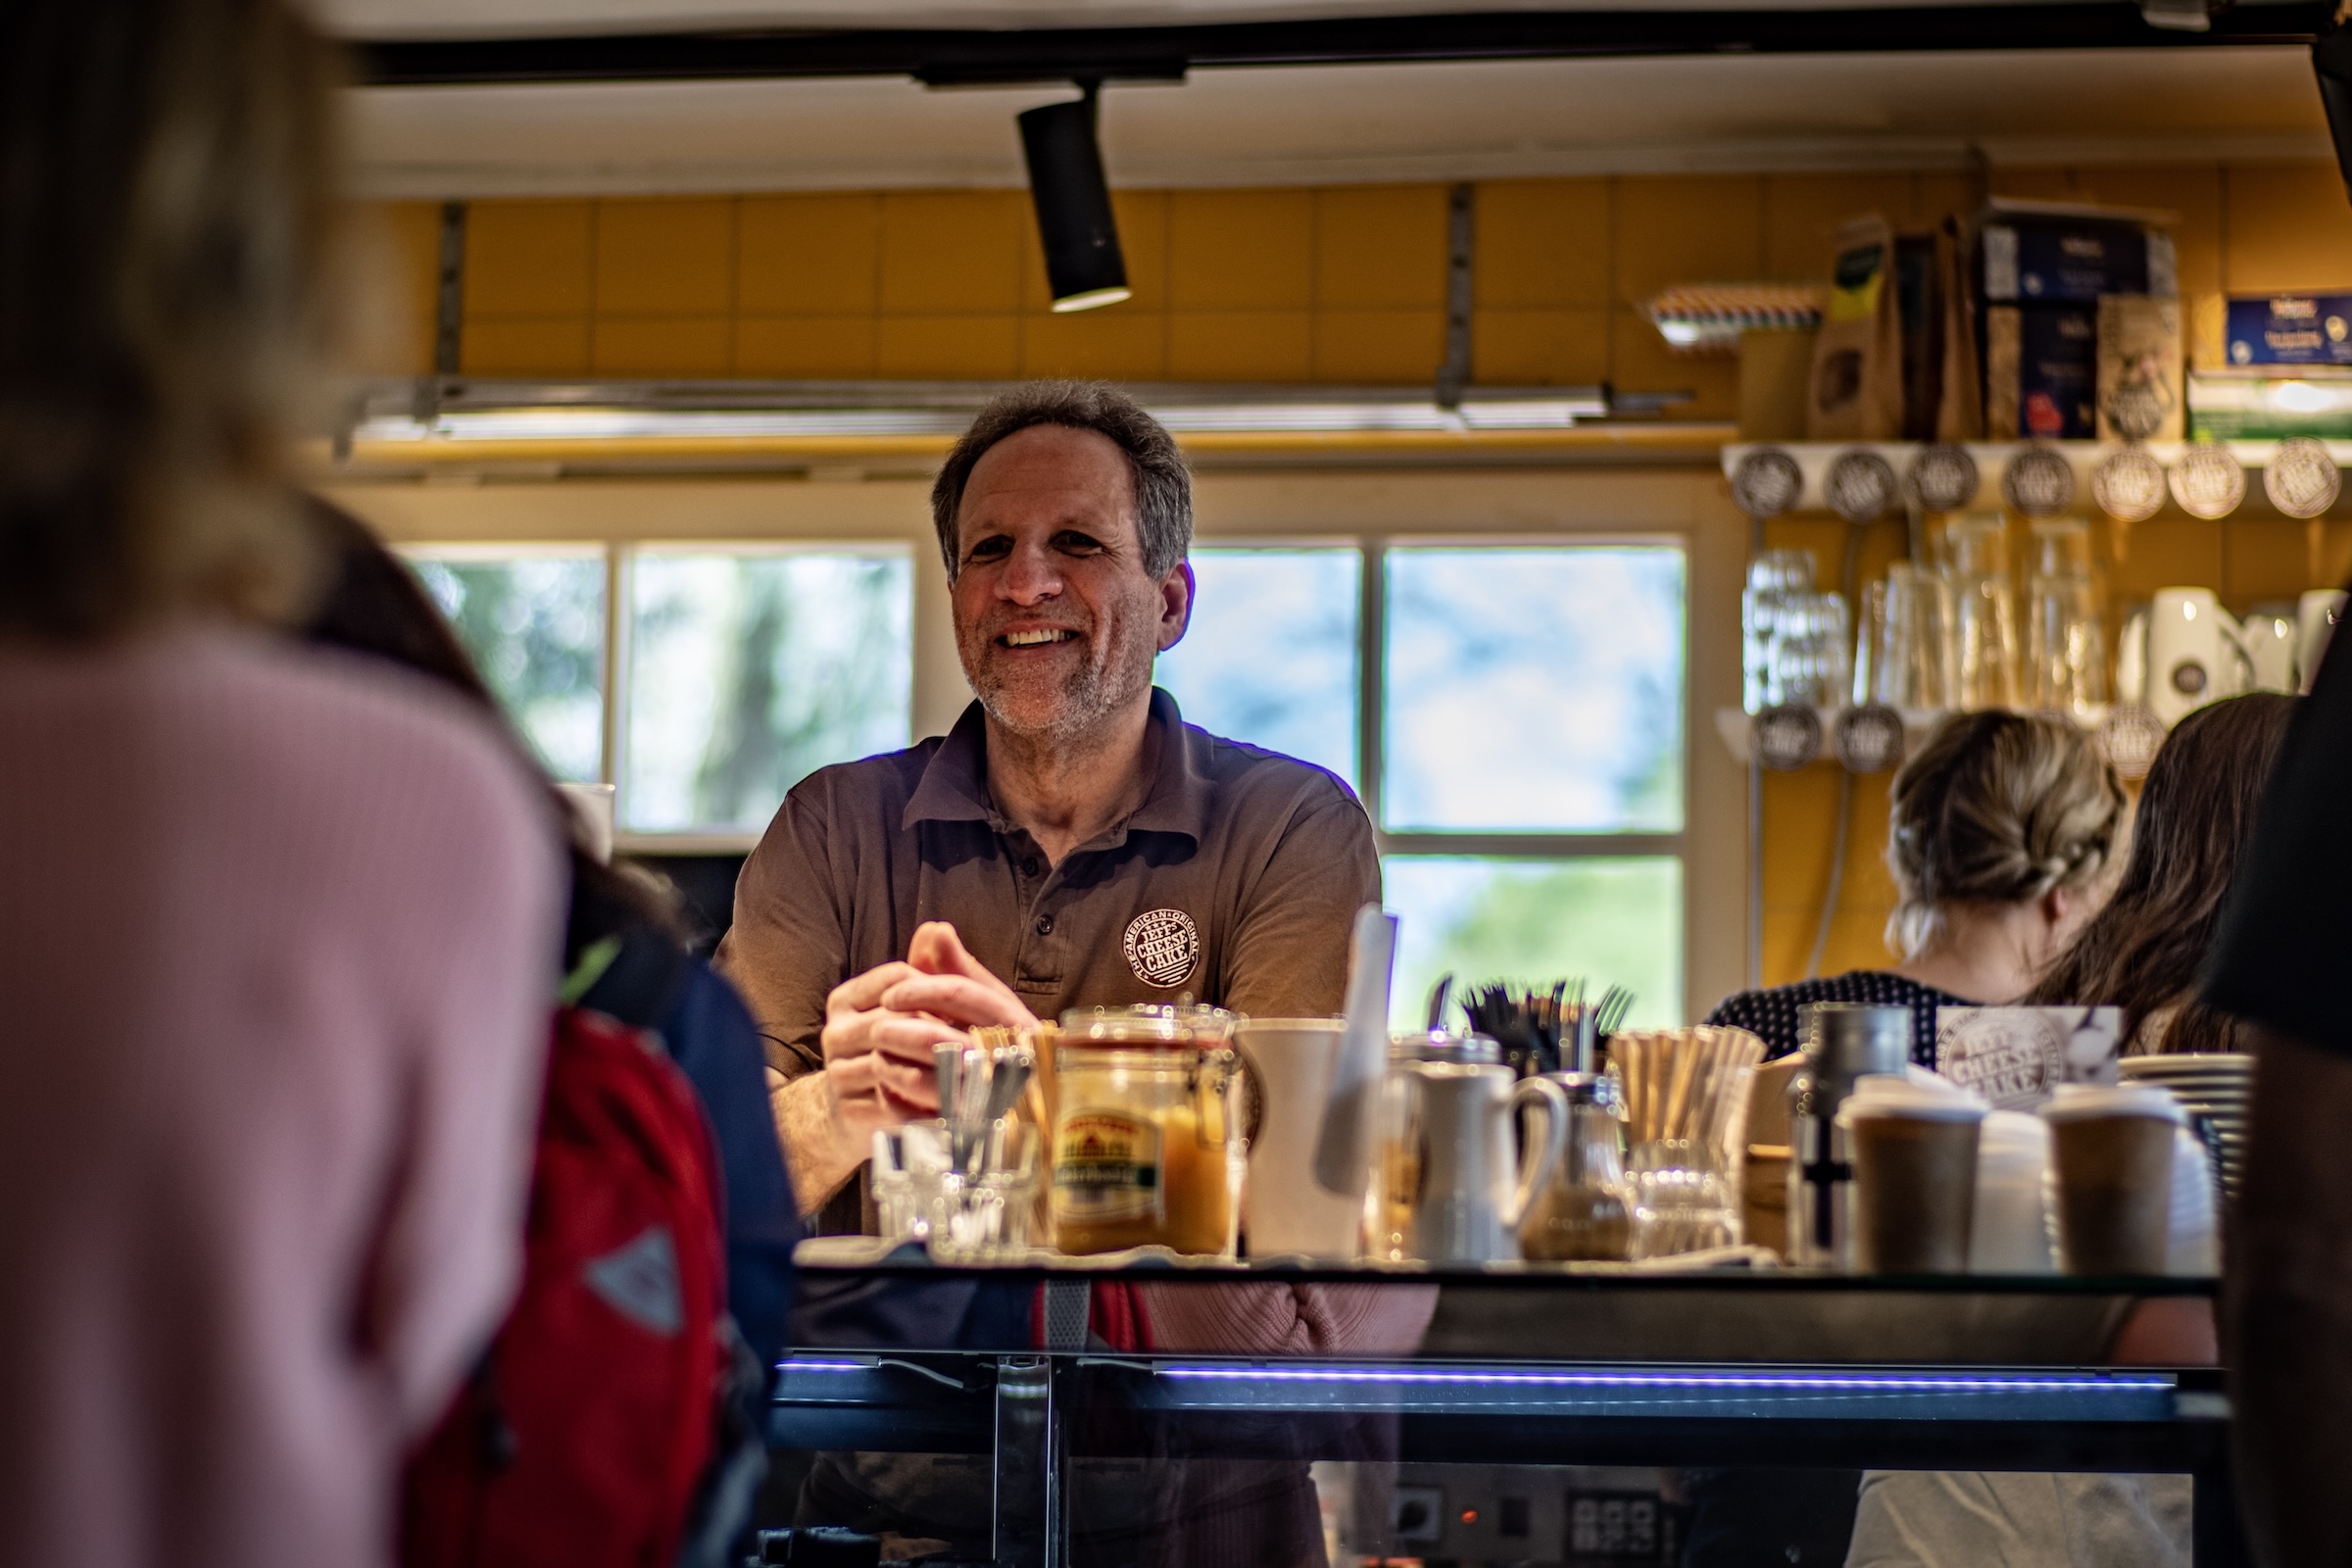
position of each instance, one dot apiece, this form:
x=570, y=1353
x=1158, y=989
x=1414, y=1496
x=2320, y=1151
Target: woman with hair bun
x=1999, y=835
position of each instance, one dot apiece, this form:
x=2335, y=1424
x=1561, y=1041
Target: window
x=1534, y=691
x=744, y=668
x=1529, y=740
x=750, y=669
x=1270, y=657
x=534, y=621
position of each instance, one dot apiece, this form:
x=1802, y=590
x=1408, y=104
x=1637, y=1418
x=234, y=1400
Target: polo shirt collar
x=953, y=787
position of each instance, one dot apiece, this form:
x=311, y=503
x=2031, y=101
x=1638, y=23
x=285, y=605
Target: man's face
x=1055, y=618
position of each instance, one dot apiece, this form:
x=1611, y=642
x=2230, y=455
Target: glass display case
x=1542, y=1388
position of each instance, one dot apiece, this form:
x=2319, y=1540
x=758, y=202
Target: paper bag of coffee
x=1960, y=410
x=1919, y=307
x=1857, y=391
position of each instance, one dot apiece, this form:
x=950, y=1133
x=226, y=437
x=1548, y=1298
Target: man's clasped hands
x=880, y=1028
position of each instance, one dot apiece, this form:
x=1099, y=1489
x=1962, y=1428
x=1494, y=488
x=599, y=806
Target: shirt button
x=1045, y=925
x=1029, y=867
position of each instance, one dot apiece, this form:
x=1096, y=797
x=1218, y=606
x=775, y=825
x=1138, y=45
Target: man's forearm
x=816, y=1150
x=2288, y=1319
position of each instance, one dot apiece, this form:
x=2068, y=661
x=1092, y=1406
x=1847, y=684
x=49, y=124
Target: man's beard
x=1086, y=697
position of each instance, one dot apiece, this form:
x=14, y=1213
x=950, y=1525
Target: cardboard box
x=2140, y=360
x=2289, y=329
x=2232, y=405
x=2025, y=256
x=2041, y=371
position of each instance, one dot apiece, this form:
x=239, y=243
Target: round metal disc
x=2038, y=481
x=2301, y=478
x=1785, y=738
x=1767, y=483
x=2129, y=485
x=1944, y=477
x=2208, y=482
x=1870, y=739
x=1860, y=486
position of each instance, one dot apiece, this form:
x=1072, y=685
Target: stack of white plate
x=2219, y=1088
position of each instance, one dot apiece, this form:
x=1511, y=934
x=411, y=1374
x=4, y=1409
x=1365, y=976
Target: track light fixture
x=1081, y=240
x=2332, y=63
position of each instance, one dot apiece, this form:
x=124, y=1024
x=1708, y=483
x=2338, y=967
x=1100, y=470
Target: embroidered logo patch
x=1162, y=945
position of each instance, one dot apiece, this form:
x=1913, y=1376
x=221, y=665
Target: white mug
x=2195, y=654
x=1467, y=1207
x=2316, y=616
x=2271, y=642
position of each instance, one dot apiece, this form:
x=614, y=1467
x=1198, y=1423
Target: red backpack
x=591, y=1430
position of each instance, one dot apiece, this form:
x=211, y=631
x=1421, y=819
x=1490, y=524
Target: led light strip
x=2122, y=1382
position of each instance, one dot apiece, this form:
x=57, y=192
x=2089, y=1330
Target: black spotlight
x=2332, y=61
x=1083, y=264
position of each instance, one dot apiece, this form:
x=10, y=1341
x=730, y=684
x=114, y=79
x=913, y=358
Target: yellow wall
x=1336, y=284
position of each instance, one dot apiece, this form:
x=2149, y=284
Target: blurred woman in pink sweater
x=277, y=930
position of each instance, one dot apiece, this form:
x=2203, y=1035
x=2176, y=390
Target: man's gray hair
x=1164, y=485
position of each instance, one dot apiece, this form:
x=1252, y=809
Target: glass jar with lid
x=1147, y=1149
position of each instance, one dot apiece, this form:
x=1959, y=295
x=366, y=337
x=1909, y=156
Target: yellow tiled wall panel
x=1335, y=285
x=952, y=251
x=531, y=258
x=1544, y=244
x=666, y=258
x=1241, y=250
x=403, y=281
x=808, y=255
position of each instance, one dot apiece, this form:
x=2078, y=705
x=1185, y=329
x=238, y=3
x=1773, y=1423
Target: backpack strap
x=640, y=982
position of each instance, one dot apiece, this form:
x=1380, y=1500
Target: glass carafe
x=2066, y=641
x=1985, y=641
x=1908, y=664
x=1774, y=579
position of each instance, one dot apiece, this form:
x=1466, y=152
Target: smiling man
x=1072, y=843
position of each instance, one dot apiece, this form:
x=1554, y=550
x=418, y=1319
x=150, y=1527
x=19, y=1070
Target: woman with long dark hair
x=2143, y=951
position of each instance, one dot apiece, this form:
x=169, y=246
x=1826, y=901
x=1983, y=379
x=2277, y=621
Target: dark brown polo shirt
x=1234, y=883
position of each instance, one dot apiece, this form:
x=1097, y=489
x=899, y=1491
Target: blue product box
x=2290, y=329
x=2041, y=372
x=2028, y=258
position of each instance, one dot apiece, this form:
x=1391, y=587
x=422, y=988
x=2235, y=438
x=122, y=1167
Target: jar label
x=1106, y=1166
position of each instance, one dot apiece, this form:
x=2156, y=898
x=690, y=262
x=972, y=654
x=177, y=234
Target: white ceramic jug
x=1474, y=1181
x=1285, y=1209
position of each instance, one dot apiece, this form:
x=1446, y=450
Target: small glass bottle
x=1843, y=1041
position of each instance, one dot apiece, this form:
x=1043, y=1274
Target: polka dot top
x=1771, y=1015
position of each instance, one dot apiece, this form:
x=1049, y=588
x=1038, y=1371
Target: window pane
x=749, y=670
x=1614, y=921
x=1534, y=690
x=534, y=623
x=1270, y=657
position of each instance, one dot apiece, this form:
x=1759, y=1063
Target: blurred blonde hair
x=1996, y=809
x=167, y=218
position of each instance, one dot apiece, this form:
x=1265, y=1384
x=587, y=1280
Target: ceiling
x=1354, y=123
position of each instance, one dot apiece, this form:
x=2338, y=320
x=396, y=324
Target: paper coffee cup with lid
x=2111, y=1166
x=1914, y=1149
